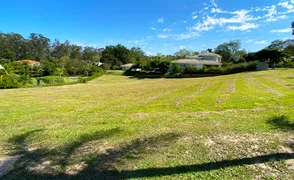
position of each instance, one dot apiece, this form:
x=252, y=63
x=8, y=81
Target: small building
x=126, y=66
x=30, y=62
x=204, y=58
x=261, y=66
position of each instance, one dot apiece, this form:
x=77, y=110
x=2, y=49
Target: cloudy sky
x=157, y=26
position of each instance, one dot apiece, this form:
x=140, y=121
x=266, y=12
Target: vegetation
x=237, y=126
x=228, y=69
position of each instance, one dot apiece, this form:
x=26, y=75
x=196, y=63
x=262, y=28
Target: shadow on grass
x=54, y=163
x=102, y=165
x=155, y=172
x=281, y=122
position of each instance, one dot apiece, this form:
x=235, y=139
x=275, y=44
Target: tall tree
x=228, y=50
x=136, y=54
x=40, y=46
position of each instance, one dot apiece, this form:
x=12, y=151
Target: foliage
x=94, y=76
x=280, y=45
x=183, y=53
x=52, y=80
x=60, y=72
x=9, y=81
x=116, y=55
x=230, y=51
x=228, y=69
x=176, y=70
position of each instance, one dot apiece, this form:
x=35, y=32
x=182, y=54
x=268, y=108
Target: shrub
x=52, y=80
x=228, y=69
x=9, y=81
x=94, y=76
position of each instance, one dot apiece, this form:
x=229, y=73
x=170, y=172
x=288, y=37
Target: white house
x=204, y=58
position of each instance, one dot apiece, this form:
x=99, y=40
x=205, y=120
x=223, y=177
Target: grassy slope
x=160, y=128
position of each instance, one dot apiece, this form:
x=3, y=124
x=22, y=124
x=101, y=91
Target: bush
x=228, y=69
x=52, y=80
x=94, y=76
x=9, y=81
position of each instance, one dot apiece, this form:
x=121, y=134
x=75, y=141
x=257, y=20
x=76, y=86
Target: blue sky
x=157, y=26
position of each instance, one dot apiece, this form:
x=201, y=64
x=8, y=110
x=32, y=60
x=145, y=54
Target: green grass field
x=237, y=126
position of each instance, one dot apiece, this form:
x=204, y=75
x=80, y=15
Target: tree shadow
x=102, y=165
x=155, y=172
x=52, y=163
x=282, y=123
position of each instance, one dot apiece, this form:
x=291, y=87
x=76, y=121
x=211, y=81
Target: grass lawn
x=238, y=126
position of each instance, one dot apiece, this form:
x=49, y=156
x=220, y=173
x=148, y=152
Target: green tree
x=183, y=53
x=40, y=46
x=229, y=51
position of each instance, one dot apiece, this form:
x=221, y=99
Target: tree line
x=279, y=53
x=64, y=58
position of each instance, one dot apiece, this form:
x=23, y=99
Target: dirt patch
x=243, y=146
x=7, y=164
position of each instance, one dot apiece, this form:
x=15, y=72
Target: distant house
x=204, y=58
x=30, y=62
x=126, y=66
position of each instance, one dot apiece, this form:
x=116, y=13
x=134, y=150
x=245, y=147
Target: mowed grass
x=237, y=126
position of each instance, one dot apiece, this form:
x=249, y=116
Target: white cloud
x=287, y=5
x=260, y=42
x=153, y=28
x=195, y=17
x=160, y=20
x=286, y=30
x=185, y=22
x=187, y=35
x=166, y=30
x=248, y=41
x=272, y=19
x=213, y=3
x=163, y=36
x=183, y=47
x=243, y=27
x=218, y=10
x=138, y=42
x=148, y=53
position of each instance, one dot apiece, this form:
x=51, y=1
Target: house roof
x=195, y=61
x=209, y=54
x=28, y=61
